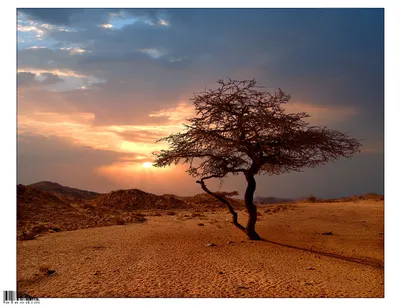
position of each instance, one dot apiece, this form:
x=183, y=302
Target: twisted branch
x=223, y=200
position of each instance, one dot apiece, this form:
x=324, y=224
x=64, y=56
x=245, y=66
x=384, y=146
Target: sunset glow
x=147, y=165
x=98, y=89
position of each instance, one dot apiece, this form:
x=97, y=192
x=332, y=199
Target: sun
x=147, y=165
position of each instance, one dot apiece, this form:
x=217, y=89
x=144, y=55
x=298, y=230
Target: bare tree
x=240, y=129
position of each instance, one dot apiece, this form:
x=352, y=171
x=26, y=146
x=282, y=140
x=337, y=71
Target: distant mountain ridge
x=271, y=200
x=64, y=191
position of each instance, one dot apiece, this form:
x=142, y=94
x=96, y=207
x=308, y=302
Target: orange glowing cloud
x=180, y=113
x=78, y=126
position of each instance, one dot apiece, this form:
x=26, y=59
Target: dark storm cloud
x=68, y=16
x=323, y=56
x=57, y=16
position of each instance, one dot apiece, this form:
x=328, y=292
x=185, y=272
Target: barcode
x=10, y=297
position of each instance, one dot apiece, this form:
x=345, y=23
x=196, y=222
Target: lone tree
x=239, y=129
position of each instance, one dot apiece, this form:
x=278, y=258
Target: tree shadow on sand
x=363, y=261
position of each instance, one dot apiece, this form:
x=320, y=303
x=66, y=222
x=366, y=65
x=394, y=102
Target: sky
x=97, y=87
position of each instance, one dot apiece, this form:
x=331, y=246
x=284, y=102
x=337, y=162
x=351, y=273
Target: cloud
x=79, y=128
x=26, y=79
x=142, y=136
x=57, y=16
x=31, y=28
x=58, y=159
x=61, y=80
x=180, y=113
x=50, y=78
x=320, y=114
x=106, y=26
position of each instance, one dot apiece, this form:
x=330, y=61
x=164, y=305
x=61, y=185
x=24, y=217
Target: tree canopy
x=239, y=128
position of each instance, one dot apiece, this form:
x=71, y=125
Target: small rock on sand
x=28, y=235
x=51, y=272
x=211, y=244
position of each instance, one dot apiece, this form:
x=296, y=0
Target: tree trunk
x=250, y=229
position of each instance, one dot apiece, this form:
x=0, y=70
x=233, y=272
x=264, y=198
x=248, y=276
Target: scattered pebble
x=229, y=242
x=200, y=224
x=310, y=268
x=211, y=244
x=51, y=272
x=327, y=233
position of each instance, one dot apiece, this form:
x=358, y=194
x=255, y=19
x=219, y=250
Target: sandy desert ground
x=169, y=256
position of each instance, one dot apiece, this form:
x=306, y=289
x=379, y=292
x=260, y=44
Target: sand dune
x=311, y=250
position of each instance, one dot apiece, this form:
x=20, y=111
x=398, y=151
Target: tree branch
x=223, y=200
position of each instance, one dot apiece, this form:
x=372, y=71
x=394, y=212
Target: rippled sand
x=168, y=256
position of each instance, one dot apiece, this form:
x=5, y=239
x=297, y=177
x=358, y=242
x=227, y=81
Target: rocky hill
x=39, y=211
x=47, y=206
x=64, y=191
x=135, y=199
